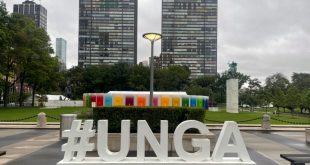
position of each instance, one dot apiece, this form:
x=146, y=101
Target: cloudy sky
x=262, y=36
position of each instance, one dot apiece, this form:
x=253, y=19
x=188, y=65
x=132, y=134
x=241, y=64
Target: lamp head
x=152, y=36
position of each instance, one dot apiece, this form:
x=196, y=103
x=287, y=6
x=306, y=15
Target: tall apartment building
x=108, y=32
x=61, y=52
x=34, y=11
x=189, y=30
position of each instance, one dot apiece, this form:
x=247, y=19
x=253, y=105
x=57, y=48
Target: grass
x=244, y=116
x=21, y=113
x=221, y=116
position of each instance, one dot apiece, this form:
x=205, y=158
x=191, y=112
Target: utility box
x=308, y=135
x=66, y=122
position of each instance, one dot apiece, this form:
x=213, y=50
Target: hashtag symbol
x=78, y=141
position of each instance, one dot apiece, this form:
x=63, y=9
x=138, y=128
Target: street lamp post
x=152, y=37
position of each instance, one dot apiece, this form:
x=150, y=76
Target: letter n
x=145, y=132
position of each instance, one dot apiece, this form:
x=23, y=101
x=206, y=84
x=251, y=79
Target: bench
x=296, y=159
x=2, y=153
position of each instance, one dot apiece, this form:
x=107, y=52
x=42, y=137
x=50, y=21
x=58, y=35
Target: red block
x=99, y=101
x=93, y=98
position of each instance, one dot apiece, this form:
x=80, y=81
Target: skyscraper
x=107, y=32
x=34, y=11
x=61, y=52
x=189, y=29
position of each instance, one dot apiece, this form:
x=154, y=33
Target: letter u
x=102, y=142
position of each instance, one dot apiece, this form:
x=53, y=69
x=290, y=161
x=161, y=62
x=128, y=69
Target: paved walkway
x=29, y=146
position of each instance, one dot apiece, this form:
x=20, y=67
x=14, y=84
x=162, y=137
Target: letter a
x=230, y=132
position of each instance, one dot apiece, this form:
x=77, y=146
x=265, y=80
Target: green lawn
x=246, y=118
x=211, y=117
x=21, y=113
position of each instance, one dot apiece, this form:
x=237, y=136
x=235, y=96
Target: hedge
x=152, y=115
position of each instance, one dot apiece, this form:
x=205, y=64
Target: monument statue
x=232, y=71
x=68, y=90
x=232, y=90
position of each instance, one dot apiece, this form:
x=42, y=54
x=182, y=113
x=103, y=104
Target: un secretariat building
x=189, y=29
x=107, y=32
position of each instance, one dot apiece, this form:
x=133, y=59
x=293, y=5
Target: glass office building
x=34, y=11
x=107, y=32
x=189, y=29
x=61, y=52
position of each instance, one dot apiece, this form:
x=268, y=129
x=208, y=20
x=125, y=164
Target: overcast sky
x=262, y=36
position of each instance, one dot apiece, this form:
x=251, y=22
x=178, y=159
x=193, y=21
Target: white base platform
x=155, y=161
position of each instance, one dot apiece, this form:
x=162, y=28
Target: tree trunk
x=6, y=91
x=33, y=95
x=21, y=90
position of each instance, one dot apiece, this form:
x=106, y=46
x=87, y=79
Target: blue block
x=206, y=103
x=193, y=102
x=108, y=101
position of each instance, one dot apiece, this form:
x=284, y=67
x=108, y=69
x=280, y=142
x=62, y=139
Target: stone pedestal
x=308, y=135
x=41, y=121
x=266, y=125
x=232, y=96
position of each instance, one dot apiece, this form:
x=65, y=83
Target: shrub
x=152, y=115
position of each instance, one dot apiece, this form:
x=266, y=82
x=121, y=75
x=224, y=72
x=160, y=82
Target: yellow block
x=165, y=101
x=118, y=101
x=176, y=101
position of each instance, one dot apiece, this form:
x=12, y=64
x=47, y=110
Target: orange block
x=141, y=101
x=165, y=101
x=176, y=101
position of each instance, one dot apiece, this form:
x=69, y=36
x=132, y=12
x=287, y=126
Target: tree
x=277, y=80
x=139, y=78
x=277, y=85
x=305, y=101
x=301, y=81
x=253, y=95
x=293, y=98
x=172, y=78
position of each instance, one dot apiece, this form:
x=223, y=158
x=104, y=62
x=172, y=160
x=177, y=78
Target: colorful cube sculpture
x=205, y=103
x=193, y=101
x=108, y=100
x=141, y=101
x=118, y=101
x=185, y=101
x=99, y=102
x=130, y=101
x=165, y=101
x=88, y=101
x=176, y=101
x=200, y=102
x=156, y=101
x=91, y=100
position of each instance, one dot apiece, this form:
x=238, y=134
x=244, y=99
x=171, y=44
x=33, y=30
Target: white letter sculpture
x=230, y=132
x=145, y=132
x=202, y=144
x=78, y=144
x=103, y=149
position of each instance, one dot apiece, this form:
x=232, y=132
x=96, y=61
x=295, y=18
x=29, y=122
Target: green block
x=185, y=102
x=200, y=102
x=88, y=102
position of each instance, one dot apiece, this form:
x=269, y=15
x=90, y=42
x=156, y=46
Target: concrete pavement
x=37, y=146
